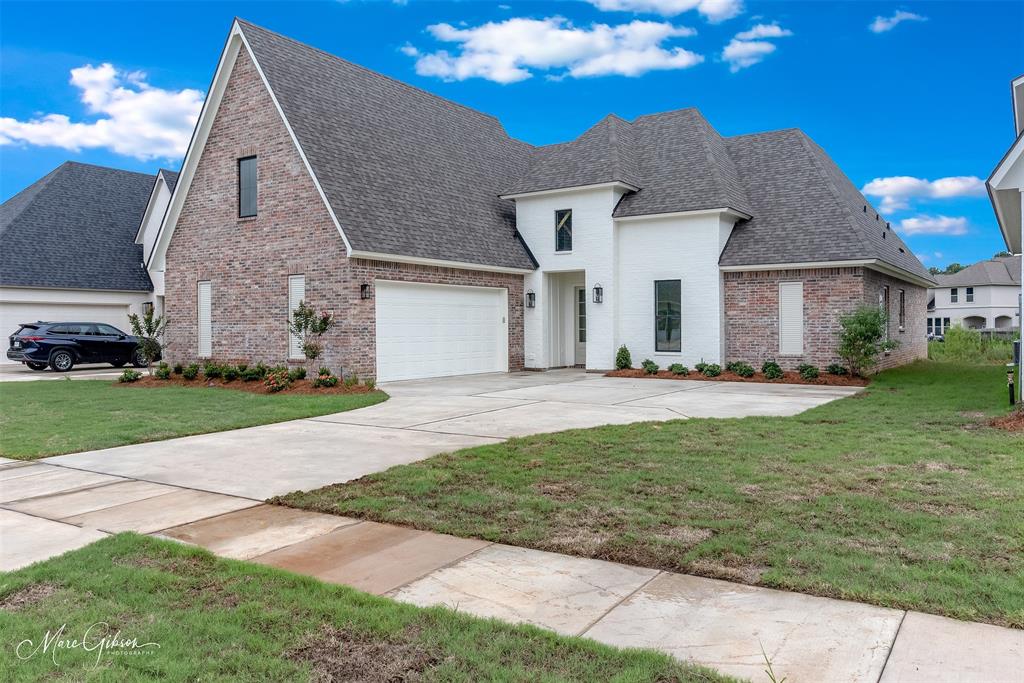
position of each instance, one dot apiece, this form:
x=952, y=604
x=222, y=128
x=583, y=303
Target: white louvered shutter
x=296, y=293
x=204, y=296
x=791, y=318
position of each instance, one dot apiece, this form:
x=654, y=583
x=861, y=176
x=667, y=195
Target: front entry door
x=580, y=327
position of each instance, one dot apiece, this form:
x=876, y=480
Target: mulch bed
x=788, y=377
x=302, y=386
x=1014, y=422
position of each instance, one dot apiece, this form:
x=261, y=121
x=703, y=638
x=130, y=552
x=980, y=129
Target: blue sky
x=911, y=99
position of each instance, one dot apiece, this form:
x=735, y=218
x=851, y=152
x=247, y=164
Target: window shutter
x=204, y=296
x=791, y=318
x=296, y=294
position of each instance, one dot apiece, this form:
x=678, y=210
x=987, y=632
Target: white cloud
x=510, y=50
x=925, y=258
x=897, y=191
x=883, y=24
x=135, y=118
x=764, y=31
x=712, y=10
x=934, y=225
x=747, y=48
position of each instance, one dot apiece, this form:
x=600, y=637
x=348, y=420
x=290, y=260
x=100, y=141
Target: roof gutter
x=615, y=184
x=873, y=264
x=438, y=263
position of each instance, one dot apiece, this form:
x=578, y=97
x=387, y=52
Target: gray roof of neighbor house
x=409, y=173
x=406, y=172
x=74, y=228
x=1002, y=270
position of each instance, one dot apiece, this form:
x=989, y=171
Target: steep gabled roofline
x=225, y=66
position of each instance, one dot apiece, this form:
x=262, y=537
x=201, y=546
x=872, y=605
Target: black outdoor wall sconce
x=531, y=299
x=364, y=291
x=598, y=293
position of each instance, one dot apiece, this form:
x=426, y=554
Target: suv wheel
x=62, y=360
x=37, y=366
x=139, y=359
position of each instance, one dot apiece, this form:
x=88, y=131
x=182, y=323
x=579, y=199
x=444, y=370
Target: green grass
x=901, y=496
x=216, y=619
x=44, y=418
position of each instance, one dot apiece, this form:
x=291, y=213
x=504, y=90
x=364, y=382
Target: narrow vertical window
x=204, y=297
x=563, y=230
x=970, y=295
x=903, y=308
x=954, y=295
x=791, y=318
x=296, y=295
x=247, y=187
x=929, y=326
x=668, y=315
x=884, y=303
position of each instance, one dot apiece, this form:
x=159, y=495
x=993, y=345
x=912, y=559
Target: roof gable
x=74, y=229
x=1003, y=270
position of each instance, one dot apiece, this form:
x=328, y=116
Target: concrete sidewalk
x=715, y=623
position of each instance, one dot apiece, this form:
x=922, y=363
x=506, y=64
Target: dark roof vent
x=865, y=208
x=883, y=235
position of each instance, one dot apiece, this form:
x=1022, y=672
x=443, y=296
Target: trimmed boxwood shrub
x=649, y=366
x=742, y=369
x=771, y=370
x=129, y=375
x=178, y=368
x=163, y=371
x=807, y=371
x=623, y=361
x=229, y=373
x=678, y=369
x=711, y=370
x=211, y=370
x=191, y=372
x=836, y=369
x=295, y=374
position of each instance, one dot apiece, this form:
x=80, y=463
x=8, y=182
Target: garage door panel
x=439, y=330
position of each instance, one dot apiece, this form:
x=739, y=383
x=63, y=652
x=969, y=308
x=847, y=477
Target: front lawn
x=901, y=496
x=195, y=617
x=52, y=417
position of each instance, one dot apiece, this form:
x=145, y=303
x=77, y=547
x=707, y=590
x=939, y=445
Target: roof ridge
x=72, y=162
x=403, y=84
x=667, y=111
x=29, y=194
x=705, y=141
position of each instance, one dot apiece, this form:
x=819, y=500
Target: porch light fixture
x=531, y=299
x=364, y=291
x=598, y=293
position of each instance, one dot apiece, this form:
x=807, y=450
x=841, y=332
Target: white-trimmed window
x=791, y=318
x=204, y=298
x=954, y=295
x=296, y=295
x=970, y=295
x=903, y=309
x=563, y=230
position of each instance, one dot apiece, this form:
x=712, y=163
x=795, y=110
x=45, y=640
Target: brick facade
x=752, y=314
x=248, y=260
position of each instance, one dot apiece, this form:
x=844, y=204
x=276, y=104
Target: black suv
x=62, y=345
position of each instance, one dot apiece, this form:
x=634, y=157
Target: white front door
x=426, y=330
x=580, y=328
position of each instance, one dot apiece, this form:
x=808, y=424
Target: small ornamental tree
x=309, y=326
x=862, y=338
x=149, y=328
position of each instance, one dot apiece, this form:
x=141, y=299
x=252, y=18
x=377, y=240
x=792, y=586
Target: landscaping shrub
x=699, y=367
x=711, y=370
x=371, y=384
x=807, y=371
x=623, y=361
x=771, y=370
x=163, y=371
x=678, y=369
x=324, y=371
x=352, y=380
x=178, y=368
x=211, y=370
x=252, y=374
x=310, y=326
x=149, y=328
x=862, y=338
x=129, y=375
x=229, y=373
x=327, y=381
x=191, y=372
x=295, y=374
x=649, y=366
x=836, y=369
x=277, y=379
x=741, y=368
x=242, y=367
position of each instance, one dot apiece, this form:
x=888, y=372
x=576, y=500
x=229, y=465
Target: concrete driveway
x=17, y=372
x=427, y=417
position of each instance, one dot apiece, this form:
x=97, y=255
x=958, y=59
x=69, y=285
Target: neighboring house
x=983, y=296
x=1006, y=187
x=67, y=249
x=443, y=246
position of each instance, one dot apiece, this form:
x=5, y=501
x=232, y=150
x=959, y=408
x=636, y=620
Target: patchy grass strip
x=193, y=616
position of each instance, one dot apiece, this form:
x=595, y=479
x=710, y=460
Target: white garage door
x=439, y=330
x=13, y=313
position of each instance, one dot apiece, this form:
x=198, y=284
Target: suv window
x=109, y=330
x=66, y=329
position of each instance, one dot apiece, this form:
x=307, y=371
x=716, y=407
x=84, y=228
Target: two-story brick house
x=444, y=246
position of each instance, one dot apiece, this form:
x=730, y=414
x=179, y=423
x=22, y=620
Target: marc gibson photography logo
x=95, y=639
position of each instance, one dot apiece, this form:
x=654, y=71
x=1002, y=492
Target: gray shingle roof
x=1004, y=270
x=75, y=228
x=406, y=172
x=805, y=209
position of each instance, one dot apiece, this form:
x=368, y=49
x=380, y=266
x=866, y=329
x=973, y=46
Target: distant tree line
x=957, y=267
